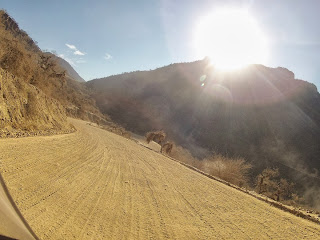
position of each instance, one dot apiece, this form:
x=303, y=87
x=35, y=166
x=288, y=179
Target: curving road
x=94, y=184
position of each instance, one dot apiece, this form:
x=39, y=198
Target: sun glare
x=231, y=39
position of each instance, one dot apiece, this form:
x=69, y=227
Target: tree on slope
x=159, y=137
x=270, y=184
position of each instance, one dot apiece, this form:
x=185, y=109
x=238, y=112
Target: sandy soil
x=11, y=224
x=93, y=184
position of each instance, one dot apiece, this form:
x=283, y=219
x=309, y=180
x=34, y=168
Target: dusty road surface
x=93, y=184
x=11, y=224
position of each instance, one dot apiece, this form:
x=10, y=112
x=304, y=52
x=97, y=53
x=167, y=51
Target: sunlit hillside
x=20, y=56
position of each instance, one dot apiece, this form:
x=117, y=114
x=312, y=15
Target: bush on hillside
x=185, y=156
x=233, y=170
x=159, y=137
x=167, y=147
x=270, y=184
x=156, y=136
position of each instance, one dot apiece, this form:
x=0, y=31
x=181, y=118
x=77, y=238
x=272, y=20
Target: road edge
x=259, y=197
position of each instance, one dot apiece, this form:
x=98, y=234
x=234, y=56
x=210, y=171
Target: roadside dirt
x=11, y=224
x=93, y=184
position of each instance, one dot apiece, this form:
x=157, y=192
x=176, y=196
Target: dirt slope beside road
x=93, y=184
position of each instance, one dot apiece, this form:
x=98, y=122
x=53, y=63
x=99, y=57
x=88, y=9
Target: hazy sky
x=101, y=38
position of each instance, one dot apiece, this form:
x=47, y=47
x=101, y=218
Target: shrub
x=156, y=136
x=149, y=137
x=167, y=147
x=159, y=137
x=233, y=170
x=270, y=184
x=185, y=156
x=266, y=180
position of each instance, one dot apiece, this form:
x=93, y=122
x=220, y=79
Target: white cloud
x=77, y=52
x=107, y=56
x=73, y=47
x=70, y=58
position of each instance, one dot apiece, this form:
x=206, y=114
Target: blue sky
x=111, y=37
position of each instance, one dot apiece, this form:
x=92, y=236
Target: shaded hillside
x=70, y=72
x=20, y=56
x=260, y=113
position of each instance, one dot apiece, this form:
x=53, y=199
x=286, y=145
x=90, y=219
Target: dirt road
x=93, y=184
x=11, y=223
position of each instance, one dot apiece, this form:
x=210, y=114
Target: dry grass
x=183, y=155
x=24, y=108
x=233, y=170
x=20, y=56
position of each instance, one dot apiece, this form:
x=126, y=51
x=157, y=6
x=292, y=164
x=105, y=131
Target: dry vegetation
x=159, y=137
x=233, y=170
x=38, y=83
x=156, y=136
x=270, y=183
x=26, y=110
x=236, y=171
x=167, y=147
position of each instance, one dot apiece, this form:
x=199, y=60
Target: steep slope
x=71, y=73
x=20, y=56
x=102, y=186
x=260, y=113
x=24, y=109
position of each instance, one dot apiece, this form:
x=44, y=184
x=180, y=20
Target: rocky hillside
x=21, y=57
x=26, y=110
x=260, y=113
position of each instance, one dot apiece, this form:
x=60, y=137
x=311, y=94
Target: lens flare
x=231, y=39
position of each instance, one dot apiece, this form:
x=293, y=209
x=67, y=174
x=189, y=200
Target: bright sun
x=231, y=39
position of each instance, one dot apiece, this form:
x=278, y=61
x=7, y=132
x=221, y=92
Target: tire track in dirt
x=93, y=184
x=97, y=201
